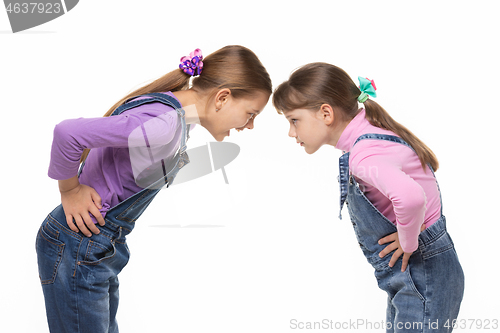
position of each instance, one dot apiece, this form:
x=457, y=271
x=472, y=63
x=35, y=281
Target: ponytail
x=378, y=117
x=174, y=81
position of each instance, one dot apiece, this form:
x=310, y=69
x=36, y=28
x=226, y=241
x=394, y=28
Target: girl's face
x=236, y=113
x=308, y=128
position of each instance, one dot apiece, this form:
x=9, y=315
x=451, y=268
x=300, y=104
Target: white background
x=267, y=248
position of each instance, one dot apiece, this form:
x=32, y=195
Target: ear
x=221, y=97
x=326, y=114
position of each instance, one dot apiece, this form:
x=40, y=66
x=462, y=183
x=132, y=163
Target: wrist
x=69, y=184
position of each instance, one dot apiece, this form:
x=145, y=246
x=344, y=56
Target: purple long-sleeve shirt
x=122, y=147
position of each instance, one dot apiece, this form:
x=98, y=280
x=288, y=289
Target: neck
x=193, y=105
x=337, y=132
x=339, y=127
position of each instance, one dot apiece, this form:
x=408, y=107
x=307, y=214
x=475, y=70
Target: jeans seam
x=57, y=261
x=437, y=252
x=65, y=230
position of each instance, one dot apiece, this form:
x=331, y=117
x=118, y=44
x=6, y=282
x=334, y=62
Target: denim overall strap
x=343, y=179
x=344, y=163
x=384, y=137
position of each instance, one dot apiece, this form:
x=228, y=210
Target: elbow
x=413, y=203
x=417, y=202
x=61, y=132
x=64, y=137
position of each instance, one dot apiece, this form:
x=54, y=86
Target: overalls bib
x=427, y=296
x=79, y=273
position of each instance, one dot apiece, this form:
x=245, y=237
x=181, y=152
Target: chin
x=219, y=137
x=310, y=150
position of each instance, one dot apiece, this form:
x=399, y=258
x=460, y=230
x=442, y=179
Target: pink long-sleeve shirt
x=392, y=178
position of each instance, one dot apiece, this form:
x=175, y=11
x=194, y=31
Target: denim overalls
x=427, y=296
x=79, y=273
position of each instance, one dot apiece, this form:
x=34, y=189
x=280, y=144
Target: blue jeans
x=79, y=274
x=425, y=297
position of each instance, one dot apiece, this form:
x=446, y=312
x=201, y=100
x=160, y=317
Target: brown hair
x=234, y=67
x=319, y=83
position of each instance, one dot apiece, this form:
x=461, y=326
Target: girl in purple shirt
x=387, y=180
x=81, y=245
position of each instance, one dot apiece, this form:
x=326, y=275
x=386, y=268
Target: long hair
x=234, y=67
x=320, y=83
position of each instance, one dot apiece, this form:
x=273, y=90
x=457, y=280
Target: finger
x=71, y=224
x=96, y=198
x=90, y=224
x=81, y=226
x=388, y=249
x=388, y=239
x=97, y=214
x=406, y=258
x=395, y=257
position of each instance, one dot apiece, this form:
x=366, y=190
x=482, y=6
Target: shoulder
x=370, y=153
x=155, y=112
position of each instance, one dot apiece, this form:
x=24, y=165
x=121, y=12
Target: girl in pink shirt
x=387, y=180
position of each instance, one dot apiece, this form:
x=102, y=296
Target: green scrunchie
x=367, y=88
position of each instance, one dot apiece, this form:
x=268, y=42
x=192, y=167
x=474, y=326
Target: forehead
x=256, y=102
x=296, y=113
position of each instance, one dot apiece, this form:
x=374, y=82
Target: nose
x=291, y=132
x=248, y=125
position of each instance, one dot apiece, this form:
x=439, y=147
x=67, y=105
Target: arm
x=406, y=195
x=72, y=136
x=382, y=170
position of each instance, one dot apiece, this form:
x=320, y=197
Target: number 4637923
x=34, y=7
x=485, y=324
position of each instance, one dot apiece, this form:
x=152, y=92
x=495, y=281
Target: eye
x=294, y=121
x=251, y=116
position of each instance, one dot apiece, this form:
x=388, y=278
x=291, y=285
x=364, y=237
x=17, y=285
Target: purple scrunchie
x=193, y=63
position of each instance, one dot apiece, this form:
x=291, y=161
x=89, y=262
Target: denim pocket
x=440, y=244
x=412, y=283
x=49, y=251
x=98, y=249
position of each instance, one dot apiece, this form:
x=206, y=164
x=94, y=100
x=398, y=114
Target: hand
x=394, y=238
x=78, y=202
